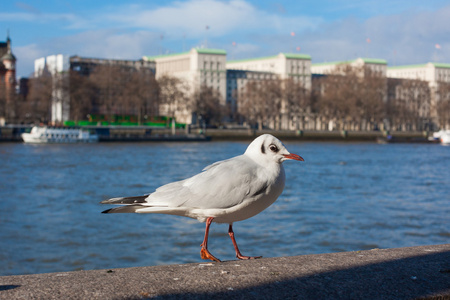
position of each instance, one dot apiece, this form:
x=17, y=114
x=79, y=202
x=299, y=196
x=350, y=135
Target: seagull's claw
x=204, y=254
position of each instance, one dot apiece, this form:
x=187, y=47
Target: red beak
x=293, y=156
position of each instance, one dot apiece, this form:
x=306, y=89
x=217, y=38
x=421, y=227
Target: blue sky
x=402, y=32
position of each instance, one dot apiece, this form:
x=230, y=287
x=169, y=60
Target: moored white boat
x=443, y=136
x=54, y=135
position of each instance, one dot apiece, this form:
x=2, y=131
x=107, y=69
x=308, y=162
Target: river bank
x=148, y=134
x=322, y=135
x=401, y=273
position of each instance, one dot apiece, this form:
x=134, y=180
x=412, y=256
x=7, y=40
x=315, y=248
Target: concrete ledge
x=403, y=273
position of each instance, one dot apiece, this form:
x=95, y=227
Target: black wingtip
x=106, y=211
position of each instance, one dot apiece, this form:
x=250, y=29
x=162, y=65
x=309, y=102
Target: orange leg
x=238, y=253
x=204, y=253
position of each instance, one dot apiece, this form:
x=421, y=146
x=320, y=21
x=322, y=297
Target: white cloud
x=241, y=50
x=26, y=56
x=401, y=39
x=131, y=31
x=114, y=44
x=98, y=44
x=192, y=17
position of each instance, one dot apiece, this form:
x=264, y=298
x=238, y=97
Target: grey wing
x=221, y=185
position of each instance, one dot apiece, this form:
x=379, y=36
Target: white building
x=196, y=67
x=237, y=81
x=285, y=65
x=282, y=66
x=53, y=64
x=433, y=73
x=57, y=66
x=375, y=65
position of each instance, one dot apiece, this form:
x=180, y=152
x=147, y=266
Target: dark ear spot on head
x=263, y=150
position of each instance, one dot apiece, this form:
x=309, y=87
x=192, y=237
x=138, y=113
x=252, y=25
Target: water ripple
x=345, y=197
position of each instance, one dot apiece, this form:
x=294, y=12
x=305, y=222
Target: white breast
x=248, y=208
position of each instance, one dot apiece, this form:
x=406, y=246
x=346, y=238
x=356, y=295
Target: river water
x=344, y=197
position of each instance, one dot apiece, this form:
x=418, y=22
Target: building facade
x=85, y=66
x=237, y=81
x=379, y=66
x=7, y=81
x=430, y=72
x=209, y=67
x=285, y=65
x=435, y=74
x=197, y=67
x=58, y=66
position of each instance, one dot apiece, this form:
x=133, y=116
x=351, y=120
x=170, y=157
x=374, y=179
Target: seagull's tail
x=131, y=204
x=123, y=209
x=126, y=200
x=138, y=204
x=145, y=209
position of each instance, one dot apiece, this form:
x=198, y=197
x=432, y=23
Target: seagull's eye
x=273, y=148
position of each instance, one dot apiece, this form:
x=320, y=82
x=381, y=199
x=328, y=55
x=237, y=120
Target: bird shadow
x=7, y=287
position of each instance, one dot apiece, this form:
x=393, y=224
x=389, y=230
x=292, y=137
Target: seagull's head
x=267, y=148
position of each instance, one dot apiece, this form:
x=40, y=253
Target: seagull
x=227, y=191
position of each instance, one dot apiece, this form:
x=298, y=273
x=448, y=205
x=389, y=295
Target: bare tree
x=173, y=95
x=336, y=103
x=276, y=103
x=352, y=98
x=409, y=104
x=371, y=100
x=271, y=94
x=260, y=102
x=110, y=81
x=394, y=107
x=82, y=93
x=297, y=100
x=443, y=105
x=207, y=105
x=143, y=92
x=38, y=105
x=123, y=90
